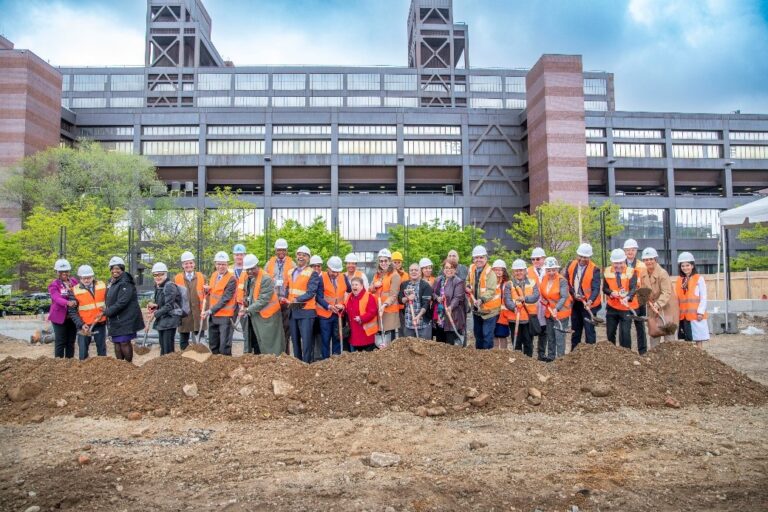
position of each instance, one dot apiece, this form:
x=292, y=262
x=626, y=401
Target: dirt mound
x=412, y=375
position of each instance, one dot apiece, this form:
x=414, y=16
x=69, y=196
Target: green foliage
x=317, y=237
x=10, y=255
x=757, y=260
x=94, y=234
x=434, y=240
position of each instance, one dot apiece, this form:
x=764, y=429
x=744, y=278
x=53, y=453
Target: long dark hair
x=683, y=278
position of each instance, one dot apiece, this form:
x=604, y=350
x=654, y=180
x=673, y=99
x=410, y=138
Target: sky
x=667, y=55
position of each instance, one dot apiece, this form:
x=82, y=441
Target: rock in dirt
x=83, y=460
x=237, y=373
x=600, y=390
x=134, y=416
x=282, y=388
x=480, y=400
x=534, y=400
x=297, y=408
x=534, y=392
x=543, y=378
x=437, y=411
x=471, y=393
x=61, y=402
x=25, y=391
x=476, y=445
x=672, y=403
x=37, y=418
x=194, y=355
x=160, y=412
x=190, y=390
x=246, y=391
x=383, y=460
x=417, y=349
x=33, y=508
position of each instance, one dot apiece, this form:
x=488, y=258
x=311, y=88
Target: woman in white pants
x=691, y=292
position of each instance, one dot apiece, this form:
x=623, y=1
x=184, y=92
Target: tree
x=94, y=234
x=758, y=260
x=316, y=236
x=434, y=240
x=10, y=255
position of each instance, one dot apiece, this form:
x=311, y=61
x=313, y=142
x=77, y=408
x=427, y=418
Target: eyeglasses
x=536, y=259
x=158, y=275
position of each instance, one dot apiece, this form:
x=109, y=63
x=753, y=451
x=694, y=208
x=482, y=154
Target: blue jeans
x=303, y=338
x=483, y=330
x=329, y=330
x=99, y=336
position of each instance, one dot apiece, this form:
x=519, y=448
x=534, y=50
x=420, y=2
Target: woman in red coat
x=363, y=317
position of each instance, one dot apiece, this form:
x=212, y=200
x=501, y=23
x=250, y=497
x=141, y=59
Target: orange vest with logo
x=273, y=306
x=550, y=290
x=585, y=279
x=181, y=280
x=384, y=292
x=299, y=286
x=610, y=278
x=332, y=295
x=217, y=293
x=519, y=293
x=370, y=327
x=90, y=306
x=689, y=301
x=495, y=302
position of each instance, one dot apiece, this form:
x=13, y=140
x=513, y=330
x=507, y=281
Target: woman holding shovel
x=122, y=310
x=662, y=303
x=363, y=315
x=450, y=313
x=506, y=316
x=416, y=295
x=165, y=308
x=384, y=288
x=558, y=304
x=521, y=297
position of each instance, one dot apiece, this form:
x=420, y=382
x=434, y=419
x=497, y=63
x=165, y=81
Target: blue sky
x=667, y=55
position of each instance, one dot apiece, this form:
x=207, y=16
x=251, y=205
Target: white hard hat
x=384, y=253
x=221, y=257
x=187, y=256
x=519, y=264
x=551, y=262
x=617, y=256
x=686, y=256
x=334, y=263
x=315, y=260
x=538, y=252
x=238, y=249
x=350, y=258
x=116, y=260
x=631, y=243
x=250, y=261
x=425, y=262
x=479, y=250
x=584, y=250
x=85, y=271
x=62, y=265
x=499, y=264
x=280, y=243
x=304, y=249
x=159, y=267
x=649, y=252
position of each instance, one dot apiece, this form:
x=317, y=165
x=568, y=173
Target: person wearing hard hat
x=165, y=307
x=634, y=263
x=501, y=330
x=461, y=270
x=238, y=255
x=584, y=285
x=427, y=274
x=484, y=297
x=350, y=262
x=220, y=310
x=397, y=262
x=279, y=268
x=620, y=288
x=124, y=318
x=363, y=317
x=662, y=302
x=88, y=315
x=330, y=306
x=385, y=287
x=263, y=332
x=521, y=298
x=416, y=297
x=691, y=293
x=450, y=316
x=558, y=304
x=194, y=282
x=64, y=329
x=304, y=287
x=536, y=273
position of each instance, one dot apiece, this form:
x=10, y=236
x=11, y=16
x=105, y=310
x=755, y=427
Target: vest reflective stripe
x=495, y=302
x=90, y=306
x=240, y=293
x=288, y=266
x=506, y=315
x=273, y=306
x=589, y=273
x=610, y=278
x=689, y=301
x=217, y=293
x=550, y=290
x=299, y=288
x=181, y=280
x=370, y=327
x=385, y=292
x=332, y=296
x=527, y=290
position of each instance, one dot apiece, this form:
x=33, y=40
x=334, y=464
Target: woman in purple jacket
x=64, y=329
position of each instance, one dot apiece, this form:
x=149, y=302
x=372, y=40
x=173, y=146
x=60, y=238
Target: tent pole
x=726, y=274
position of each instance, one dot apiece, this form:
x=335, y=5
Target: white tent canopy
x=747, y=215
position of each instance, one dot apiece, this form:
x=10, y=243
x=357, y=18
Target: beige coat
x=662, y=293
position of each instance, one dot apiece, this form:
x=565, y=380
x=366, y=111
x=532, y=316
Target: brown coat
x=191, y=323
x=662, y=293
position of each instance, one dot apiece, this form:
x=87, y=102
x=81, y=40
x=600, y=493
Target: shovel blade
x=599, y=320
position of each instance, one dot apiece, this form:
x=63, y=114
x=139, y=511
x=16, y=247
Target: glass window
x=486, y=103
x=515, y=103
x=326, y=82
x=249, y=221
x=363, y=101
x=697, y=223
x=638, y=150
x=366, y=223
x=418, y=216
x=303, y=129
x=750, y=152
x=105, y=131
x=88, y=102
x=367, y=129
x=696, y=151
x=289, y=82
x=595, y=86
x=432, y=130
x=399, y=101
x=304, y=216
x=214, y=81
x=484, y=83
x=170, y=147
x=624, y=133
x=301, y=147
x=118, y=147
x=367, y=147
x=289, y=101
x=515, y=83
x=213, y=101
x=235, y=147
x=595, y=149
x=400, y=82
x=235, y=130
x=363, y=82
x=695, y=134
x=326, y=101
x=171, y=130
x=65, y=102
x=595, y=132
x=251, y=101
x=126, y=102
x=65, y=82
x=432, y=147
x=89, y=82
x=642, y=223
x=596, y=106
x=748, y=135
x=128, y=82
x=252, y=82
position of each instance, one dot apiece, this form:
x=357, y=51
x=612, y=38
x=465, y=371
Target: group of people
x=296, y=300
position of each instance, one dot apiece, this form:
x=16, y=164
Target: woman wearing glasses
x=166, y=308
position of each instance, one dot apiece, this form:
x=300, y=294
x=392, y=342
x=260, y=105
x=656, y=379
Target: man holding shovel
x=620, y=288
x=222, y=300
x=194, y=282
x=584, y=282
x=263, y=331
x=88, y=315
x=484, y=298
x=558, y=303
x=634, y=263
x=330, y=306
x=303, y=289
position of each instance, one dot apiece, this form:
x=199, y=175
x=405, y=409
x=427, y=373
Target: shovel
x=559, y=327
x=453, y=325
x=666, y=328
x=413, y=318
x=517, y=327
x=88, y=332
x=341, y=336
x=594, y=320
x=143, y=349
x=381, y=340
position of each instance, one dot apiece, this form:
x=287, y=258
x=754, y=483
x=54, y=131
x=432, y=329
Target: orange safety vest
x=299, y=287
x=370, y=327
x=90, y=306
x=240, y=293
x=610, y=278
x=384, y=292
x=689, y=301
x=332, y=295
x=217, y=292
x=495, y=302
x=533, y=276
x=505, y=315
x=356, y=274
x=273, y=306
x=550, y=290
x=181, y=280
x=288, y=266
x=586, y=278
x=528, y=309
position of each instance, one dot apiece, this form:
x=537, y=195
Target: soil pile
x=426, y=378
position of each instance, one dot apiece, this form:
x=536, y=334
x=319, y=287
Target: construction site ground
x=419, y=426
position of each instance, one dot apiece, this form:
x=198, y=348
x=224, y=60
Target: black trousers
x=220, y=335
x=167, y=337
x=64, y=339
x=523, y=341
x=184, y=339
x=251, y=334
x=452, y=338
x=642, y=342
x=616, y=319
x=541, y=350
x=580, y=325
